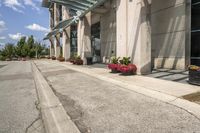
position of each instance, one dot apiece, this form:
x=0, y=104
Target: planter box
x=194, y=77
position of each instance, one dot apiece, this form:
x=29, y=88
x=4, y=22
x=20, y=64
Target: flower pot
x=114, y=71
x=128, y=69
x=53, y=58
x=194, y=77
x=61, y=59
x=113, y=68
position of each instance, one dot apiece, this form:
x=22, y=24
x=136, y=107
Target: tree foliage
x=25, y=47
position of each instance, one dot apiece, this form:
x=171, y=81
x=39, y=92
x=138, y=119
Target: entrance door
x=96, y=43
x=195, y=32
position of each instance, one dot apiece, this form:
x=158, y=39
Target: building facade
x=154, y=33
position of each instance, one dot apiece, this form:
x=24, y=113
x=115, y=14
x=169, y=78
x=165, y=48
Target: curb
x=54, y=116
x=190, y=107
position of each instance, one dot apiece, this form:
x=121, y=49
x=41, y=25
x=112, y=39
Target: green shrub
x=114, y=60
x=125, y=60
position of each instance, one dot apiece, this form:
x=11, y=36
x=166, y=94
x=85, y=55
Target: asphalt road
x=97, y=106
x=18, y=99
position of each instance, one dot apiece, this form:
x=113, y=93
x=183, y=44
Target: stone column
x=51, y=24
x=57, y=46
x=134, y=33
x=66, y=36
x=121, y=31
x=57, y=38
x=84, y=37
x=51, y=47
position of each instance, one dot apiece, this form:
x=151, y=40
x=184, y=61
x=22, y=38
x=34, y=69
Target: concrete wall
x=108, y=33
x=168, y=33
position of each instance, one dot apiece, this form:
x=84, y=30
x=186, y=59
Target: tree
x=19, y=47
x=24, y=48
x=8, y=51
x=31, y=44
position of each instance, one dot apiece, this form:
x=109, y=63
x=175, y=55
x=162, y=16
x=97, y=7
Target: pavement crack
x=32, y=123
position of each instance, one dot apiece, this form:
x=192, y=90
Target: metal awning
x=60, y=26
x=81, y=7
x=50, y=34
x=46, y=3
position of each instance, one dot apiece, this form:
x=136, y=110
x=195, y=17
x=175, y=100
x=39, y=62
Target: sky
x=22, y=18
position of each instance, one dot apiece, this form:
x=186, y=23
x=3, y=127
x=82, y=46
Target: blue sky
x=22, y=18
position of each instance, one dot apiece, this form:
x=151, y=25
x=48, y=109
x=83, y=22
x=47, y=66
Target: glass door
x=96, y=43
x=195, y=32
x=73, y=39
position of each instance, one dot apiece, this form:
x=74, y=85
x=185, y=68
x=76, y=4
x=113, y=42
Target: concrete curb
x=188, y=106
x=53, y=114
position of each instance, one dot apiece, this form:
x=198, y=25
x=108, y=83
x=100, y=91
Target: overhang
x=81, y=7
x=46, y=3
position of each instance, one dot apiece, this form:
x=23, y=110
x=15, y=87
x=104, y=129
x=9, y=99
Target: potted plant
x=61, y=59
x=53, y=58
x=78, y=61
x=126, y=68
x=114, y=65
x=194, y=74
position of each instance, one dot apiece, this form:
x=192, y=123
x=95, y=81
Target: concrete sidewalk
x=167, y=87
x=98, y=101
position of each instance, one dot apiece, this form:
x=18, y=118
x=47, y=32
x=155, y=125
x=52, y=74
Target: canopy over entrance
x=79, y=8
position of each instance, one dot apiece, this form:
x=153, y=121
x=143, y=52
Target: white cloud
x=37, y=27
x=14, y=4
x=32, y=4
x=16, y=36
x=2, y=37
x=19, y=5
x=2, y=26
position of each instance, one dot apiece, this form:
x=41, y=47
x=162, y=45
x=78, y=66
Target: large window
x=96, y=43
x=60, y=12
x=195, y=32
x=73, y=39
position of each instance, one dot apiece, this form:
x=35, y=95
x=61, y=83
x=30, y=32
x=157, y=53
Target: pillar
x=51, y=47
x=121, y=19
x=134, y=33
x=57, y=46
x=57, y=38
x=84, y=37
x=51, y=22
x=66, y=36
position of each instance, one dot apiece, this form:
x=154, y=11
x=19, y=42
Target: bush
x=115, y=60
x=125, y=60
x=76, y=60
x=194, y=68
x=2, y=58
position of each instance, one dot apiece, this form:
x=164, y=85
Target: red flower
x=118, y=67
x=127, y=69
x=113, y=66
x=132, y=67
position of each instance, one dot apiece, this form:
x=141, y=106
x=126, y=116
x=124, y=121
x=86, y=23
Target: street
x=98, y=106
x=18, y=99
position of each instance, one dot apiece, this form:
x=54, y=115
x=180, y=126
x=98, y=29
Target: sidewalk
x=98, y=101
x=167, y=87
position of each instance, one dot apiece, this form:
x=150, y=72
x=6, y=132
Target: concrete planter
x=194, y=77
